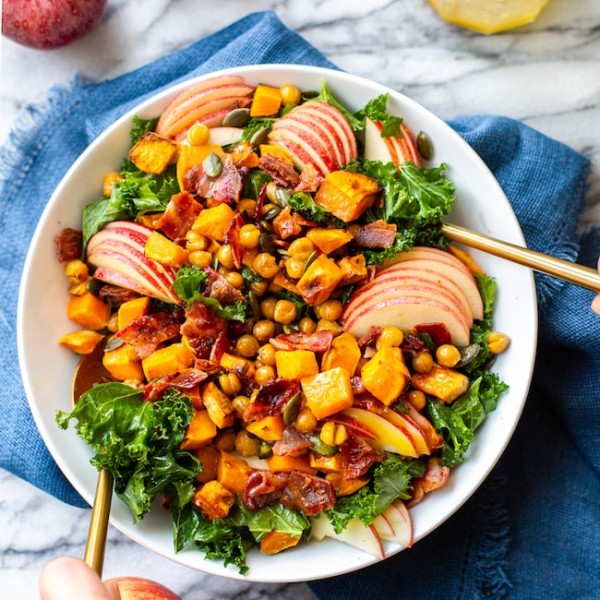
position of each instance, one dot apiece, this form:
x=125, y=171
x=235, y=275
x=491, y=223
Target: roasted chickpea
x=290, y=94
x=307, y=325
x=266, y=355
x=422, y=362
x=230, y=383
x=241, y=403
x=195, y=241
x=417, y=398
x=198, y=134
x=447, y=355
x=77, y=271
x=200, y=258
x=265, y=265
x=389, y=336
x=247, y=206
x=267, y=307
x=259, y=287
x=285, y=311
x=113, y=323
x=301, y=248
x=225, y=256
x=235, y=279
x=246, y=444
x=333, y=326
x=247, y=346
x=331, y=310
x=249, y=236
x=294, y=267
x=264, y=374
x=263, y=330
x=306, y=422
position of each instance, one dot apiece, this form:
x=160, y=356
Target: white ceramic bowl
x=47, y=368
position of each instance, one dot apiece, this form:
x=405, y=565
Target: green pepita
x=212, y=165
x=424, y=145
x=238, y=117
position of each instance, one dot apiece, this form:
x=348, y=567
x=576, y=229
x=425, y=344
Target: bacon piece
x=271, y=398
x=369, y=338
x=435, y=477
x=232, y=237
x=147, y=332
x=378, y=234
x=308, y=493
x=310, y=179
x=184, y=381
x=282, y=171
x=358, y=386
x=438, y=332
x=202, y=329
x=292, y=443
x=220, y=289
x=68, y=245
x=243, y=156
x=359, y=456
x=114, y=295
x=179, y=216
x=220, y=346
x=263, y=488
x=412, y=344
x=227, y=187
x=319, y=341
x=260, y=204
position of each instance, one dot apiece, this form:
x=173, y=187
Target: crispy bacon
x=308, y=493
x=220, y=289
x=377, y=234
x=369, y=338
x=227, y=187
x=114, y=295
x=282, y=171
x=202, y=329
x=359, y=456
x=412, y=344
x=145, y=333
x=243, y=156
x=263, y=488
x=435, y=477
x=310, y=179
x=68, y=244
x=358, y=386
x=271, y=398
x=220, y=346
x=232, y=237
x=319, y=341
x=179, y=216
x=438, y=332
x=184, y=381
x=292, y=443
x=260, y=204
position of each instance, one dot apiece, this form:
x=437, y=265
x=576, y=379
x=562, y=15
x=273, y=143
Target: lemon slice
x=489, y=16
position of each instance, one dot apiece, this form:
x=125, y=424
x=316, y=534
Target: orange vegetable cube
x=275, y=151
x=347, y=195
x=168, y=361
x=132, y=309
x=276, y=541
x=386, y=375
x=327, y=464
x=442, y=382
x=319, y=280
x=296, y=364
x=328, y=392
x=239, y=365
x=269, y=429
x=219, y=406
x=287, y=464
x=88, y=311
x=81, y=342
x=344, y=352
x=200, y=431
x=163, y=250
x=232, y=472
x=344, y=486
x=208, y=456
x=190, y=156
x=354, y=269
x=266, y=101
x=153, y=153
x=328, y=240
x=213, y=222
x=123, y=363
x=213, y=500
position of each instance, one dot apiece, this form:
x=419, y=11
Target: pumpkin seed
x=212, y=165
x=320, y=447
x=265, y=450
x=113, y=343
x=260, y=136
x=424, y=145
x=467, y=354
x=291, y=409
x=271, y=212
x=238, y=117
x=282, y=196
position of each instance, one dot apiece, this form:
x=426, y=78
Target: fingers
x=596, y=305
x=71, y=579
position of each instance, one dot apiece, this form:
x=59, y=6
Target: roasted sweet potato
x=276, y=541
x=164, y=251
x=88, y=311
x=328, y=239
x=123, y=363
x=441, y=382
x=214, y=500
x=344, y=352
x=200, y=431
x=232, y=472
x=296, y=364
x=219, y=406
x=153, y=153
x=266, y=101
x=328, y=392
x=386, y=375
x=287, y=464
x=168, y=361
x=319, y=280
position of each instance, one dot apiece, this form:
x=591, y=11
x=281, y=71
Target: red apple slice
x=355, y=534
x=223, y=136
x=394, y=524
x=389, y=149
x=410, y=428
x=429, y=253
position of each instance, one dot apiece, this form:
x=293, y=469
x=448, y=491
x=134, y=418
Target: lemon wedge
x=489, y=16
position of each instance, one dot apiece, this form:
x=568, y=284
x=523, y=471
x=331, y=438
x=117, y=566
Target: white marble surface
x=547, y=74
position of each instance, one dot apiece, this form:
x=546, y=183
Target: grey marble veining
x=547, y=74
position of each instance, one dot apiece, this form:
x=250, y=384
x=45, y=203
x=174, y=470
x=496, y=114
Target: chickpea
x=259, y=287
x=235, y=279
x=263, y=330
x=198, y=134
x=447, y=355
x=200, y=258
x=241, y=403
x=306, y=422
x=230, y=383
x=110, y=179
x=290, y=94
x=417, y=398
x=225, y=256
x=301, y=248
x=422, y=362
x=249, y=236
x=264, y=374
x=113, y=323
x=294, y=267
x=267, y=307
x=331, y=310
x=247, y=346
x=307, y=325
x=285, y=311
x=498, y=342
x=266, y=355
x=389, y=336
x=247, y=206
x=195, y=241
x=77, y=271
x=246, y=444
x=326, y=325
x=265, y=265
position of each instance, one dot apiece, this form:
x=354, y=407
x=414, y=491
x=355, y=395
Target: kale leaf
x=376, y=110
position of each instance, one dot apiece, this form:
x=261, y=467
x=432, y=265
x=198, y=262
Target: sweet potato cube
x=287, y=464
x=123, y=363
x=132, y=309
x=200, y=431
x=441, y=382
x=328, y=392
x=328, y=239
x=168, y=361
x=88, y=311
x=275, y=542
x=208, y=456
x=347, y=195
x=268, y=429
x=327, y=464
x=296, y=364
x=153, y=153
x=81, y=342
x=213, y=222
x=354, y=269
x=386, y=375
x=213, y=500
x=266, y=101
x=163, y=250
x=319, y=280
x=239, y=365
x=219, y=406
x=344, y=352
x=190, y=156
x=232, y=472
x=344, y=486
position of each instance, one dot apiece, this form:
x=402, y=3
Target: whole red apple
x=138, y=588
x=46, y=24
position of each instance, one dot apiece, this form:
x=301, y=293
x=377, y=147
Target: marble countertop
x=546, y=74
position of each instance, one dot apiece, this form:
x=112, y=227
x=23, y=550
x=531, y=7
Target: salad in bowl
x=294, y=355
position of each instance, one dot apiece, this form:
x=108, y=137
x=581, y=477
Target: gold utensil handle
x=557, y=267
x=96, y=542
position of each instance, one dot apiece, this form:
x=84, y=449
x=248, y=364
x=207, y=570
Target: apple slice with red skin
x=394, y=524
x=429, y=253
x=433, y=438
x=389, y=149
x=117, y=252
x=300, y=133
x=409, y=428
x=139, y=588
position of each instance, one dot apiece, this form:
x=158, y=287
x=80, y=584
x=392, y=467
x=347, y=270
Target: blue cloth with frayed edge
x=509, y=540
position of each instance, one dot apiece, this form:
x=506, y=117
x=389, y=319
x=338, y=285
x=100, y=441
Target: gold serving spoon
x=90, y=371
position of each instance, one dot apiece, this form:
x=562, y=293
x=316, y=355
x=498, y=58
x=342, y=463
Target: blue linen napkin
x=509, y=539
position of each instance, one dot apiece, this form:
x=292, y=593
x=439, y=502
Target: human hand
x=596, y=301
x=71, y=579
